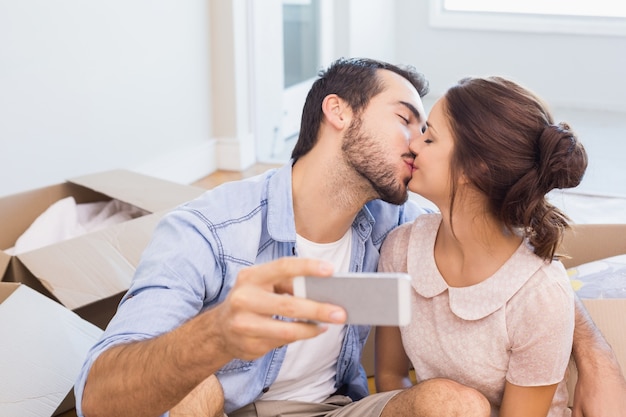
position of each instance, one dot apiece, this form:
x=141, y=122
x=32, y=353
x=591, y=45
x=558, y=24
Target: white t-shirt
x=310, y=365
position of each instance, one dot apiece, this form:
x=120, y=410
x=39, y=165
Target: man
x=207, y=310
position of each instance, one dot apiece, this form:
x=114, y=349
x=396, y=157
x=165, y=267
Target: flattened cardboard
x=95, y=268
x=149, y=193
x=43, y=348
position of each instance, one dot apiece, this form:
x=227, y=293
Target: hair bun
x=562, y=158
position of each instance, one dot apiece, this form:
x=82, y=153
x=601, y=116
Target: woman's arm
x=601, y=387
x=526, y=401
x=391, y=362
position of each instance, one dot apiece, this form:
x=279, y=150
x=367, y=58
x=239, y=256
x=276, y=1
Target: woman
x=491, y=308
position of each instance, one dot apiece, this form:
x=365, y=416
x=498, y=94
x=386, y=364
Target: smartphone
x=377, y=299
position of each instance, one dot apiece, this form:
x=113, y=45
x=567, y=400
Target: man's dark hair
x=356, y=81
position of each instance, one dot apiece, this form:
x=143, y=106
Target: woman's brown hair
x=508, y=146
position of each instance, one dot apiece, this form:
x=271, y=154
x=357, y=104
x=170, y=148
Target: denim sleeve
x=410, y=210
x=179, y=275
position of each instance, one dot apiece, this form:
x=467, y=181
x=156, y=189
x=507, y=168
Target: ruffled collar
x=469, y=303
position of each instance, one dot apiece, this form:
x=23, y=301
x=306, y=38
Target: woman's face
x=433, y=152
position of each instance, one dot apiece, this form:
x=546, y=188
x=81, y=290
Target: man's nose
x=414, y=143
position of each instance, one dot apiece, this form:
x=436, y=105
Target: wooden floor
x=219, y=177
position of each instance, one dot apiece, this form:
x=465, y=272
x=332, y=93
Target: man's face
x=376, y=144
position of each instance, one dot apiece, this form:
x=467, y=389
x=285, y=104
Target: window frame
x=439, y=17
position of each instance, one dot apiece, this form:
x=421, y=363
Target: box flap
x=591, y=242
x=6, y=289
x=4, y=263
x=94, y=266
x=42, y=350
x=149, y=193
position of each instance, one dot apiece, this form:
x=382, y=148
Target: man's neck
x=325, y=198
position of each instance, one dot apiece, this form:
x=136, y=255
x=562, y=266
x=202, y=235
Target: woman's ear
x=336, y=111
x=463, y=180
x=482, y=169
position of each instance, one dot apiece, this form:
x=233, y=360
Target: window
x=301, y=48
x=599, y=17
x=290, y=41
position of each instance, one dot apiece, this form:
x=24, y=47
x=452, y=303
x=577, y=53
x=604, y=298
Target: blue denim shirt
x=193, y=259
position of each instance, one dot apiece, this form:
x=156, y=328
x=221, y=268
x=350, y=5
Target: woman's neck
x=472, y=247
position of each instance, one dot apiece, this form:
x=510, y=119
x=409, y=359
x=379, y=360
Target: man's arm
x=601, y=387
x=150, y=377
x=206, y=400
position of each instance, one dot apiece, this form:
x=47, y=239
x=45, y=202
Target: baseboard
x=235, y=154
x=195, y=162
x=183, y=165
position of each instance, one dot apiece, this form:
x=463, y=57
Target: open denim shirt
x=193, y=259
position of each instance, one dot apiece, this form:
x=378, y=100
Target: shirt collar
x=281, y=224
x=468, y=303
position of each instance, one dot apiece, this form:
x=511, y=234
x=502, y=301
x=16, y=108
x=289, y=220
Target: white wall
x=372, y=29
x=566, y=70
x=581, y=77
x=87, y=86
x=90, y=86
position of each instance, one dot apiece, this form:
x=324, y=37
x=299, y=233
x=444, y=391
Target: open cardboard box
x=42, y=351
x=87, y=274
x=583, y=243
x=592, y=242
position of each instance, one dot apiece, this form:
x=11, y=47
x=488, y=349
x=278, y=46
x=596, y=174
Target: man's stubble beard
x=364, y=154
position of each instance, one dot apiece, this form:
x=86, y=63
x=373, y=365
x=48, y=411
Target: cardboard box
x=583, y=243
x=43, y=348
x=592, y=242
x=88, y=273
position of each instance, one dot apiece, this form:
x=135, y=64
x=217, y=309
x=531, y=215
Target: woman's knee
x=445, y=397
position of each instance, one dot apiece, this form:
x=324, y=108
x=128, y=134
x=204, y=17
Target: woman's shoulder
x=402, y=234
x=395, y=247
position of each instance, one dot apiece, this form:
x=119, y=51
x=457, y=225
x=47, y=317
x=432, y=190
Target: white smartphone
x=377, y=299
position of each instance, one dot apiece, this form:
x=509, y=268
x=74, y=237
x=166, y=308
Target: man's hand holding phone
x=378, y=299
